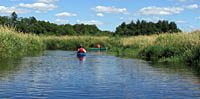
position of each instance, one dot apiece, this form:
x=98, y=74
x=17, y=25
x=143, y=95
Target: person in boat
x=98, y=46
x=81, y=49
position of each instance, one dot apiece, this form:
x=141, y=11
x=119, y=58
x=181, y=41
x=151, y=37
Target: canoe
x=97, y=48
x=81, y=54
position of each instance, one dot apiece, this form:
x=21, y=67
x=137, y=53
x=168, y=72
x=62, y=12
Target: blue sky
x=107, y=14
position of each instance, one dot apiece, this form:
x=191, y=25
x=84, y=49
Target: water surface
x=60, y=74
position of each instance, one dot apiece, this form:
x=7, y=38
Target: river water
x=61, y=75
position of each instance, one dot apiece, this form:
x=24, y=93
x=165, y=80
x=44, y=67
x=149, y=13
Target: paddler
x=98, y=46
x=81, y=49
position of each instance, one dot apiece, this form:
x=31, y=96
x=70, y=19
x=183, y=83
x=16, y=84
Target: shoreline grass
x=15, y=44
x=178, y=47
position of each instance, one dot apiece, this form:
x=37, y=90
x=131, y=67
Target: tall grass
x=179, y=47
x=15, y=44
x=72, y=42
x=133, y=45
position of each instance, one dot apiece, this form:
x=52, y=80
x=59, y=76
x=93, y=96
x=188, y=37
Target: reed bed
x=72, y=42
x=177, y=47
x=15, y=44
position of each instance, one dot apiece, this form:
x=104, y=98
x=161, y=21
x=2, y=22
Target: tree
x=145, y=28
x=13, y=19
x=173, y=27
x=159, y=26
x=33, y=19
x=165, y=26
x=32, y=25
x=132, y=28
x=68, y=30
x=4, y=20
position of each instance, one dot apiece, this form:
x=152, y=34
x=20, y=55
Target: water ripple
x=59, y=74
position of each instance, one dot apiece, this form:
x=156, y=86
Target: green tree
x=159, y=26
x=13, y=20
x=4, y=20
x=165, y=26
x=173, y=27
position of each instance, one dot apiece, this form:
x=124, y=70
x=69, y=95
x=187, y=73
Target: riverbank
x=179, y=47
x=15, y=44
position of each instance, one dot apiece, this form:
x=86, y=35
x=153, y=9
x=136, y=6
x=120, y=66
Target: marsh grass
x=72, y=42
x=15, y=44
x=177, y=47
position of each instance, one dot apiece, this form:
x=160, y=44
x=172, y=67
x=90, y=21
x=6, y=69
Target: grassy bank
x=15, y=44
x=72, y=42
x=179, y=47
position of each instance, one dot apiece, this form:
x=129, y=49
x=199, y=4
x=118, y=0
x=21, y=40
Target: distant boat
x=97, y=48
x=81, y=54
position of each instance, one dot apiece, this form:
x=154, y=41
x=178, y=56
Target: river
x=99, y=75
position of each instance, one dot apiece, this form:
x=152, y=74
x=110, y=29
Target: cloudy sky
x=107, y=14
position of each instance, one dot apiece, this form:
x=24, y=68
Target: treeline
x=32, y=25
x=146, y=28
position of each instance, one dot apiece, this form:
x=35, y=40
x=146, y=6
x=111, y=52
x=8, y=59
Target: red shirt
x=82, y=50
x=97, y=46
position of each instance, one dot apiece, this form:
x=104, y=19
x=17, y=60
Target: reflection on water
x=60, y=74
x=81, y=59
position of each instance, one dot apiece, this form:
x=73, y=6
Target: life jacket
x=97, y=46
x=81, y=50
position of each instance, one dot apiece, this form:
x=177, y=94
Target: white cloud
x=62, y=21
x=9, y=10
x=47, y=1
x=100, y=15
x=181, y=22
x=38, y=11
x=128, y=19
x=182, y=0
x=65, y=14
x=91, y=22
x=194, y=6
x=110, y=10
x=152, y=10
x=152, y=18
x=39, y=7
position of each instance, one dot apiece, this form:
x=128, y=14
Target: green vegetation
x=162, y=47
x=32, y=25
x=146, y=28
x=179, y=47
x=15, y=44
x=72, y=42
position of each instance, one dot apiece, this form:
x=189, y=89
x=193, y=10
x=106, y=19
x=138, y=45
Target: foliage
x=167, y=47
x=146, y=28
x=32, y=25
x=72, y=42
x=15, y=44
x=179, y=47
